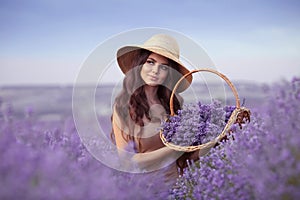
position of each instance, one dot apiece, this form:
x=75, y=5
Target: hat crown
x=164, y=42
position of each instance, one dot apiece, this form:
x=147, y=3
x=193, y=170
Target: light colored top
x=153, y=154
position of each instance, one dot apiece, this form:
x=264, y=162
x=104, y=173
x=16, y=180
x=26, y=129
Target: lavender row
x=46, y=160
x=261, y=162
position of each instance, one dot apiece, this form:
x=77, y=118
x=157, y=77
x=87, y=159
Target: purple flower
x=46, y=159
x=260, y=161
x=196, y=123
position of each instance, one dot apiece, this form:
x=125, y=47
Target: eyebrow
x=167, y=64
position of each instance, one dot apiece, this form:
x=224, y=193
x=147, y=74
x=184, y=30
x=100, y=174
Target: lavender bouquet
x=196, y=123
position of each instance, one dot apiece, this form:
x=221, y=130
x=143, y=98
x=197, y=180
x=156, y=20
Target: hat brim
x=126, y=54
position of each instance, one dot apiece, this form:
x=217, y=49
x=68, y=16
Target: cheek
x=164, y=75
x=143, y=72
x=145, y=69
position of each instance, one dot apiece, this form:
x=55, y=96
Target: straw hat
x=161, y=44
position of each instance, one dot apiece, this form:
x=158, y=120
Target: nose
x=155, y=69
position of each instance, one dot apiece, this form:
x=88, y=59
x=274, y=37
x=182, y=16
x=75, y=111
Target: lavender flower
x=196, y=123
x=46, y=159
x=261, y=162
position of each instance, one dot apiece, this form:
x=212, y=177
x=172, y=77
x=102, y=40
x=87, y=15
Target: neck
x=151, y=94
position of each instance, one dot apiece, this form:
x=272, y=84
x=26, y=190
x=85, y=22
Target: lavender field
x=42, y=156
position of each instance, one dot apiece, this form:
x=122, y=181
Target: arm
x=149, y=160
x=156, y=159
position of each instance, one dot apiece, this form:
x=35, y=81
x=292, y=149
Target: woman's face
x=155, y=70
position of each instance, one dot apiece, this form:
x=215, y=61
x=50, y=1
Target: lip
x=153, y=78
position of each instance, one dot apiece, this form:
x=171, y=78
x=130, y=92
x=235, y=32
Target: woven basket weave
x=237, y=116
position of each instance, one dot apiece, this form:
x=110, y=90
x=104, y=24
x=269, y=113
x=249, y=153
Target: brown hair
x=131, y=103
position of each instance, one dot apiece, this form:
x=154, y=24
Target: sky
x=47, y=42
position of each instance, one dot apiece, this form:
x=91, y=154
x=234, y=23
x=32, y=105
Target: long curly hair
x=131, y=103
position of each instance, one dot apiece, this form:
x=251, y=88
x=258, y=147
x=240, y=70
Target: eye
x=164, y=67
x=150, y=62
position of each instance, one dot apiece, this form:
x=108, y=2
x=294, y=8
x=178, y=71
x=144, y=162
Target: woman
x=151, y=71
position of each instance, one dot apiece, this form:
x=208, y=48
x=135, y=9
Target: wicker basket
x=238, y=115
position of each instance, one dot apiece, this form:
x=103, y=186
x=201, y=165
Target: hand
x=194, y=155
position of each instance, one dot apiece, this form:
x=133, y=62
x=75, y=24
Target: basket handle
x=200, y=70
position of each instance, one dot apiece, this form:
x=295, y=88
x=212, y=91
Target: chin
x=152, y=84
